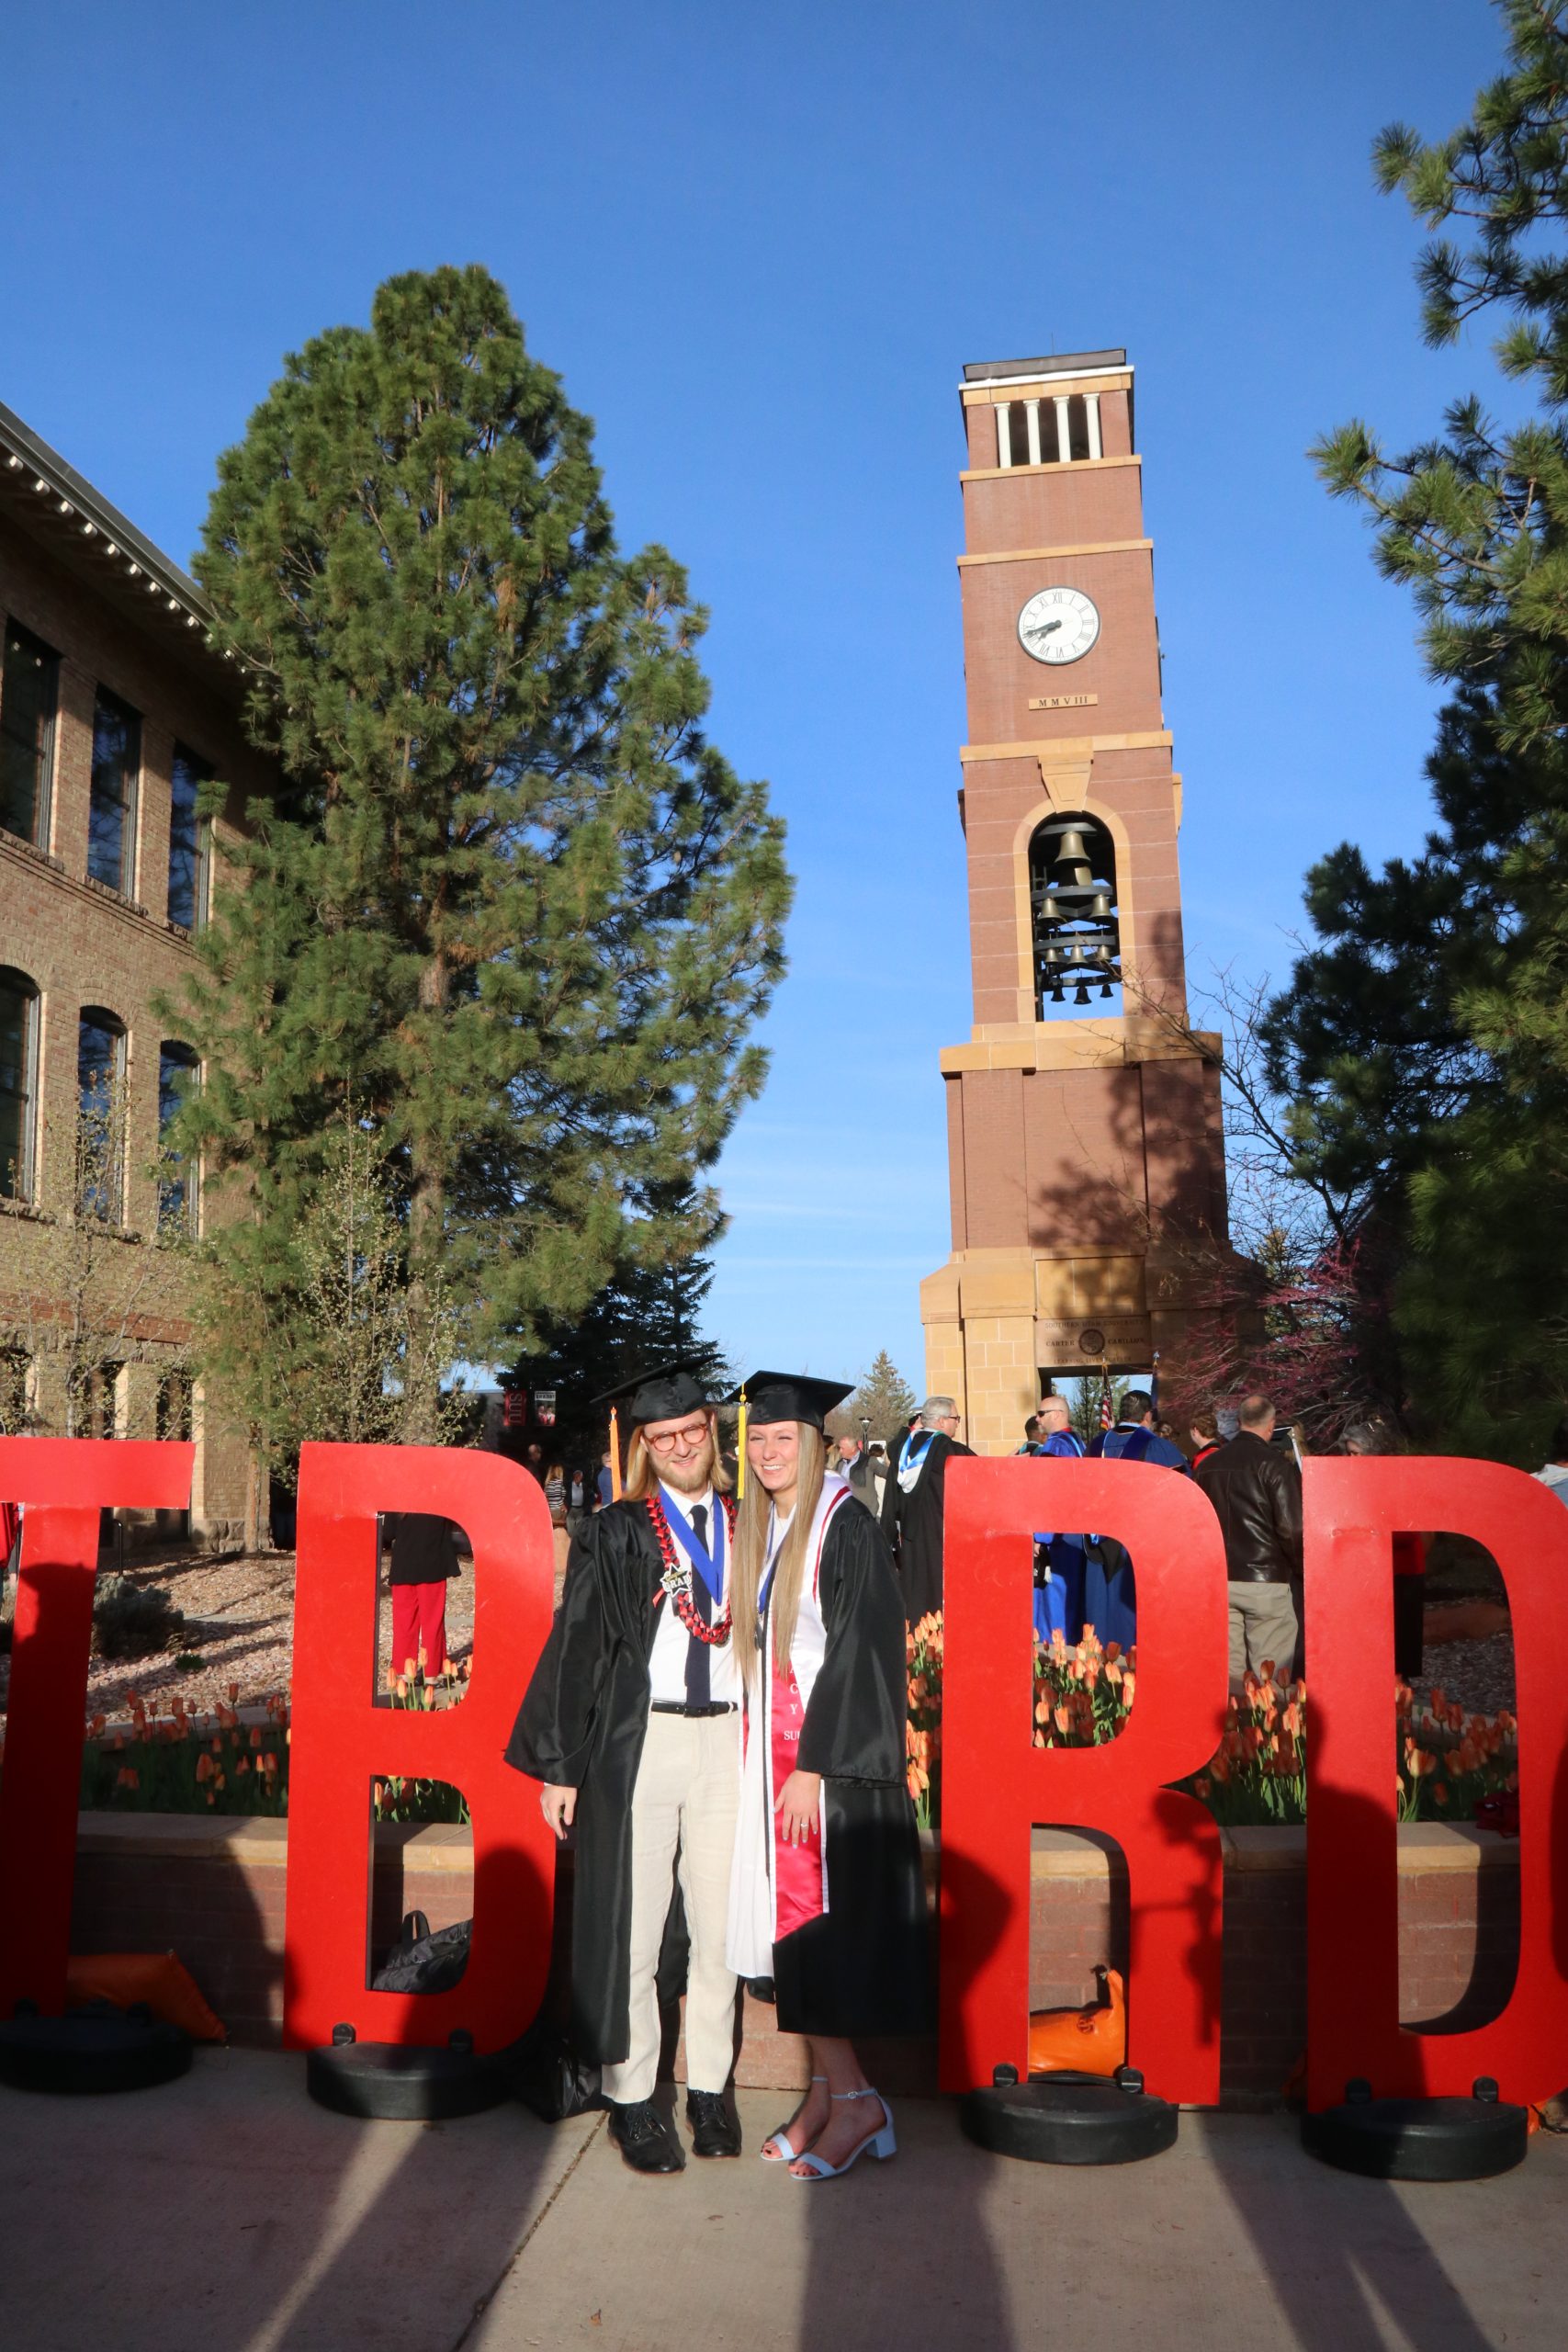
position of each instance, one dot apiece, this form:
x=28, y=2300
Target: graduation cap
x=668, y=1392
x=790, y=1396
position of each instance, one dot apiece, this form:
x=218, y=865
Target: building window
x=111, y=815
x=190, y=840
x=18, y=1083
x=101, y=1125
x=177, y=1199
x=174, y=1409
x=1072, y=892
x=15, y=1402
x=94, y=1395
x=29, y=685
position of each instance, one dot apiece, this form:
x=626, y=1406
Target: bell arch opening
x=1073, y=913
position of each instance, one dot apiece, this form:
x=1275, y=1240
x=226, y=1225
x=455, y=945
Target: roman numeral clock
x=1086, y=1159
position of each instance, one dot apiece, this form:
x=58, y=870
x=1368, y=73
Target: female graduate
x=827, y=1896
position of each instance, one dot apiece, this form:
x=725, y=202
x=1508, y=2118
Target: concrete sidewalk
x=226, y=2213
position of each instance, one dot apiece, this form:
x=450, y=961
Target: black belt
x=678, y=1707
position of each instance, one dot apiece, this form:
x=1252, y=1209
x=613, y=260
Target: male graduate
x=912, y=1503
x=630, y=1722
x=1111, y=1593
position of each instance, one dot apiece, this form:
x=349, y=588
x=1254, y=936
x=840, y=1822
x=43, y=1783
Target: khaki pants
x=685, y=1802
x=1263, y=1624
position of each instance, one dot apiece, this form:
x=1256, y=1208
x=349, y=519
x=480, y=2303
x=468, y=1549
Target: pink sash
x=797, y=1868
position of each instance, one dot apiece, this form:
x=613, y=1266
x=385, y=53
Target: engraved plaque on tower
x=1086, y=1157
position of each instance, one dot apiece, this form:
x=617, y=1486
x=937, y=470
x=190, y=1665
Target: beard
x=691, y=1473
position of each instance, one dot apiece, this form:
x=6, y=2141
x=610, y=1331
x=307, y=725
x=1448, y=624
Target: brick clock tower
x=1086, y=1157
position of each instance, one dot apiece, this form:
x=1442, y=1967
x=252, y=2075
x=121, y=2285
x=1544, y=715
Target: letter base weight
x=1070, y=2119
x=1419, y=2139
x=389, y=2081
x=91, y=2050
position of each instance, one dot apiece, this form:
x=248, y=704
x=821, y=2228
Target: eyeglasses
x=685, y=1441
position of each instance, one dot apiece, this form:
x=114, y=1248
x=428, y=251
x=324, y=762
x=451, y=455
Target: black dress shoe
x=714, y=2131
x=644, y=2139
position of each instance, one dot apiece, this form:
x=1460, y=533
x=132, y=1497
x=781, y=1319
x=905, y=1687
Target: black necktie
x=699, y=1689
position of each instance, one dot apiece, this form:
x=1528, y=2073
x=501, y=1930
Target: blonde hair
x=642, y=1476
x=789, y=1572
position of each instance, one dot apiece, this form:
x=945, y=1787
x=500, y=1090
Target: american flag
x=1107, y=1410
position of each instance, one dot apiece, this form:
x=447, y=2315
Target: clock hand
x=1043, y=631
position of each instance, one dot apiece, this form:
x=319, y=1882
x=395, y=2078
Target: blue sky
x=759, y=244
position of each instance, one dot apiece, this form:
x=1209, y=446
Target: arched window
x=18, y=1083
x=1072, y=897
x=100, y=1122
x=177, y=1068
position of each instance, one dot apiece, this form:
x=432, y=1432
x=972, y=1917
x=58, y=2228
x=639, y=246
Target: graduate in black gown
x=828, y=1895
x=631, y=1720
x=912, y=1504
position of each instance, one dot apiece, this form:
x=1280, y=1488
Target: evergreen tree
x=884, y=1397
x=1425, y=1041
x=649, y=1313
x=511, y=906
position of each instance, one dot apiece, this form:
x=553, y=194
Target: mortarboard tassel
x=614, y=1456
x=740, y=1462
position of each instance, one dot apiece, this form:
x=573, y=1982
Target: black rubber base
x=1419, y=2139
x=385, y=2081
x=1070, y=2119
x=91, y=2050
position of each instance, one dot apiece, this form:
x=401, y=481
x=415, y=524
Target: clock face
x=1058, y=624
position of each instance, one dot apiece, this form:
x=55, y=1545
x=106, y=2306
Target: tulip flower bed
x=183, y=1762
x=1448, y=1763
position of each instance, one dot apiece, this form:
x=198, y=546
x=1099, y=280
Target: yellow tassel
x=614, y=1456
x=741, y=1464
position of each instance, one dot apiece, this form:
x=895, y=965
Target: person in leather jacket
x=1256, y=1489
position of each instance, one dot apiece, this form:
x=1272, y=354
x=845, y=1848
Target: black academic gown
x=912, y=1524
x=581, y=1725
x=863, y=1966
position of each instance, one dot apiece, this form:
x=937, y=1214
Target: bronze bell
x=1072, y=855
x=1099, y=906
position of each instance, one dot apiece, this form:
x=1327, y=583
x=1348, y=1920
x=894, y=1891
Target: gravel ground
x=240, y=1623
x=1475, y=1675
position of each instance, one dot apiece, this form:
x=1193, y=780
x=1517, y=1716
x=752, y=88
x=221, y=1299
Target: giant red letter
x=997, y=1785
x=341, y=1740
x=1352, y=1510
x=63, y=1484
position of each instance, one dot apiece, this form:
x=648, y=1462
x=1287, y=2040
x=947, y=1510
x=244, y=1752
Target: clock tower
x=1085, y=1146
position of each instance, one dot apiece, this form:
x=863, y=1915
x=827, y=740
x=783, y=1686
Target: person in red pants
x=424, y=1554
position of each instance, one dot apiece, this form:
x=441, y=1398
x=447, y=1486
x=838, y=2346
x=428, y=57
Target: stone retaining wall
x=213, y=1892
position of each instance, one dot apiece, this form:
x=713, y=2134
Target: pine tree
x=1426, y=1040
x=1476, y=522
x=884, y=1397
x=649, y=1314
x=512, y=905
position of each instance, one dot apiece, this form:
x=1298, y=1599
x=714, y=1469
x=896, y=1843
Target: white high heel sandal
x=781, y=2139
x=881, y=2143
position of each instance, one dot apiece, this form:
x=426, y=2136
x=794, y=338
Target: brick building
x=113, y=710
x=1087, y=1162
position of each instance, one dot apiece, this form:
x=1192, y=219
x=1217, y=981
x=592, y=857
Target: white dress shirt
x=667, y=1666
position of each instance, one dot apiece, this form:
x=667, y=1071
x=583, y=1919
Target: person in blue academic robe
x=1110, y=1592
x=1059, y=1559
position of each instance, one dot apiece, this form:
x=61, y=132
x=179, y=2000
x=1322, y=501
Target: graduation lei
x=676, y=1579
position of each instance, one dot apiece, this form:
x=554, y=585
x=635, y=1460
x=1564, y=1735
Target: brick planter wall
x=213, y=1892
